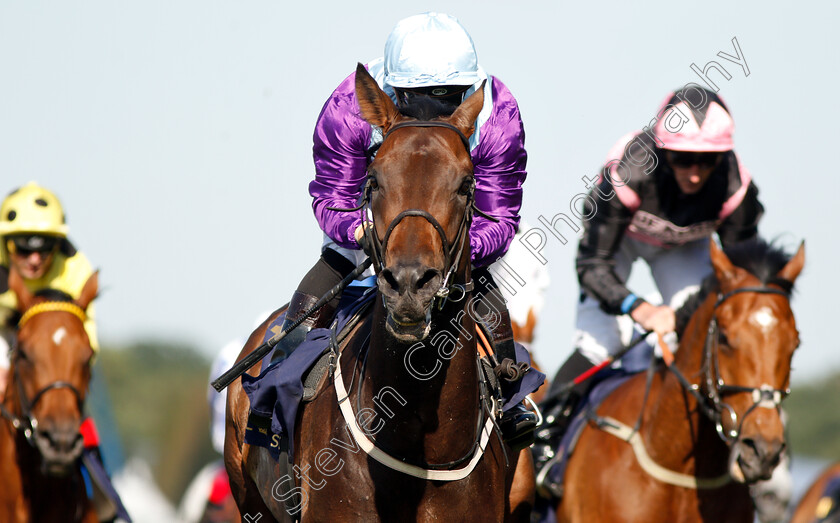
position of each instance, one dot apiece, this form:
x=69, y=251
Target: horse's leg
x=245, y=491
x=520, y=496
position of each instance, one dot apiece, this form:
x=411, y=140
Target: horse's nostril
x=427, y=278
x=388, y=276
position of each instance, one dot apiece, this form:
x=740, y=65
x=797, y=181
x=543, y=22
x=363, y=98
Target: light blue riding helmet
x=430, y=49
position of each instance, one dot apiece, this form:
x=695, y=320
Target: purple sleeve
x=340, y=140
x=499, y=160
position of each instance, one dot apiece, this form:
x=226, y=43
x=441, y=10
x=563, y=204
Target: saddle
x=550, y=476
x=277, y=393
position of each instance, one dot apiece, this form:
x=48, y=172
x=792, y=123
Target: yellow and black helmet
x=32, y=210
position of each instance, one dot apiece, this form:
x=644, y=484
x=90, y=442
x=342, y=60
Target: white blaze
x=764, y=318
x=59, y=335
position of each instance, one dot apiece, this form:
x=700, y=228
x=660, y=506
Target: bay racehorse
x=821, y=502
x=707, y=425
x=40, y=442
x=410, y=371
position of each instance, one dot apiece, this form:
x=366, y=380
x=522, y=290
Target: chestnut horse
x=707, y=425
x=40, y=443
x=817, y=505
x=410, y=372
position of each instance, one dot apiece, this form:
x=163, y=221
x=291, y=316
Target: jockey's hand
x=660, y=319
x=361, y=238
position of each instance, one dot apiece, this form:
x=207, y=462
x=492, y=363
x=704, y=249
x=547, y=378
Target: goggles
x=25, y=245
x=688, y=159
x=452, y=94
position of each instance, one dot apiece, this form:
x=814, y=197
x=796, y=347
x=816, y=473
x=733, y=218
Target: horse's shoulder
x=256, y=338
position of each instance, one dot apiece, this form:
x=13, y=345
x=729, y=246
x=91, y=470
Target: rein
x=711, y=405
x=452, y=250
x=27, y=423
x=448, y=291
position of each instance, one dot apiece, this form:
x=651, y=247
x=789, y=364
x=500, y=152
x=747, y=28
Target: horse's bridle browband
x=431, y=123
x=763, y=396
x=452, y=250
x=26, y=423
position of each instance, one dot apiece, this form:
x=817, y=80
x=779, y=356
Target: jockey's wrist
x=631, y=303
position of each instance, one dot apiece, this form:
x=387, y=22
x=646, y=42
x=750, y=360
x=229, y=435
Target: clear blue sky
x=178, y=135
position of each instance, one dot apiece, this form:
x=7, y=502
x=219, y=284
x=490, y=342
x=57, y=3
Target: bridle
x=712, y=404
x=453, y=251
x=26, y=422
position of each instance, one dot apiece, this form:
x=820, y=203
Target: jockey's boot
x=518, y=423
x=327, y=272
x=558, y=407
x=298, y=306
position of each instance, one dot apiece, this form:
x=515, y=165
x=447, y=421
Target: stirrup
x=518, y=427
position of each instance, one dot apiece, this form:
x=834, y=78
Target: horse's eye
x=374, y=185
x=466, y=186
x=722, y=339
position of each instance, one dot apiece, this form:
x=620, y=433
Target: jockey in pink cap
x=675, y=186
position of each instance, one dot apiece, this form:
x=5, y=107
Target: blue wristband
x=628, y=303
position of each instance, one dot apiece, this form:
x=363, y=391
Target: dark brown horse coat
x=413, y=384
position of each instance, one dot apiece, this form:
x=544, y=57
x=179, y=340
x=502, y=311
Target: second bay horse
x=686, y=448
x=40, y=442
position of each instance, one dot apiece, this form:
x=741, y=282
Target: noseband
x=712, y=404
x=452, y=251
x=27, y=423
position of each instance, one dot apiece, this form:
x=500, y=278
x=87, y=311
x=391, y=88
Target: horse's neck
x=429, y=388
x=674, y=425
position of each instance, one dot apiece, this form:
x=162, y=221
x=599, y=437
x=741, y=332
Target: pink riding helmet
x=694, y=119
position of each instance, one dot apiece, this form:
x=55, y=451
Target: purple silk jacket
x=342, y=137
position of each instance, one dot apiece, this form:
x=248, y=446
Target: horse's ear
x=377, y=107
x=792, y=269
x=464, y=116
x=89, y=291
x=17, y=285
x=724, y=270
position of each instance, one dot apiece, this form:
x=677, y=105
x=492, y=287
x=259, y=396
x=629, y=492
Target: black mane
x=760, y=258
x=426, y=108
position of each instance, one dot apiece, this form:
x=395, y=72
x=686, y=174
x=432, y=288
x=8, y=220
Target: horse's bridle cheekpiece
x=711, y=404
x=452, y=250
x=27, y=423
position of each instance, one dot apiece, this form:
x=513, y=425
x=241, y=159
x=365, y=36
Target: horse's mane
x=426, y=108
x=53, y=295
x=758, y=257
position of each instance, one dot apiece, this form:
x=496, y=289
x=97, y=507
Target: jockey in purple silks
x=426, y=55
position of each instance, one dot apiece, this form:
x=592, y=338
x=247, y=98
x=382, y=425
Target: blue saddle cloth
x=635, y=361
x=277, y=392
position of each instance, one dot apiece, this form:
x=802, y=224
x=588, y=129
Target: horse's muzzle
x=59, y=450
x=754, y=459
x=408, y=291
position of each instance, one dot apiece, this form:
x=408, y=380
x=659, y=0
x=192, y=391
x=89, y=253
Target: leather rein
x=27, y=423
x=712, y=404
x=452, y=251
